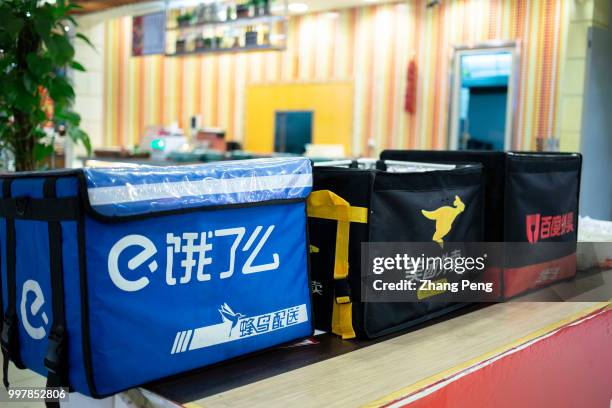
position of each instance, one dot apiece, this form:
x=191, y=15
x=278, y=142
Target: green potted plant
x=263, y=7
x=208, y=43
x=35, y=50
x=184, y=19
x=218, y=42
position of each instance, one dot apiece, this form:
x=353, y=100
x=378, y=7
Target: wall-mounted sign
x=149, y=34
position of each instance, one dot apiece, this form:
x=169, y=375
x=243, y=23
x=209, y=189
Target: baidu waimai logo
x=541, y=227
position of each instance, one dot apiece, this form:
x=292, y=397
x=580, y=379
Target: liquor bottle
x=250, y=37
x=264, y=35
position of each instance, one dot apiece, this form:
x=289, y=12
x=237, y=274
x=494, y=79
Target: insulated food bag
x=531, y=204
x=357, y=202
x=115, y=277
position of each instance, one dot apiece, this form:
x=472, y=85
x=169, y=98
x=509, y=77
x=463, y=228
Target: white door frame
x=455, y=91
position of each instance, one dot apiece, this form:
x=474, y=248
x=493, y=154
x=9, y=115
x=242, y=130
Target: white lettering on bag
x=194, y=250
x=36, y=333
x=113, y=262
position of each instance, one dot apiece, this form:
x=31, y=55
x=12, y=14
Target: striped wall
x=369, y=45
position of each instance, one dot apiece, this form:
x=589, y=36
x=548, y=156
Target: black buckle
x=342, y=290
x=54, y=360
x=8, y=328
x=21, y=205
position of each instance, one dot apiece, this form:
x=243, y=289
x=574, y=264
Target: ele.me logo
x=36, y=332
x=193, y=253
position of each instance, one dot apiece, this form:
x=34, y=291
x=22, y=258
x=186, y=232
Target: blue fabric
x=127, y=191
x=177, y=307
x=32, y=266
x=133, y=332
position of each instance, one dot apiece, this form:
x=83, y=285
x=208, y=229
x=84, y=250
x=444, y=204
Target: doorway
x=482, y=101
x=292, y=131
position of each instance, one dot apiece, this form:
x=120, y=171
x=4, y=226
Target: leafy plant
x=184, y=19
x=35, y=50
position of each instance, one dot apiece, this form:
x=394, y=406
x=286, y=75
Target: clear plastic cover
x=392, y=166
x=149, y=189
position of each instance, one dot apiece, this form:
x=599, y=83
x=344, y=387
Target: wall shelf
x=260, y=29
x=241, y=22
x=196, y=30
x=227, y=50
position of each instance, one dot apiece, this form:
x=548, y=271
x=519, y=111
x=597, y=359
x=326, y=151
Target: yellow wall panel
x=331, y=103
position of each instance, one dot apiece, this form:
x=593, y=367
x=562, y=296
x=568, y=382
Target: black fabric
x=394, y=202
x=546, y=180
x=42, y=209
x=528, y=195
x=546, y=186
x=397, y=202
x=493, y=163
x=354, y=186
x=342, y=288
x=56, y=359
x=9, y=339
x=83, y=281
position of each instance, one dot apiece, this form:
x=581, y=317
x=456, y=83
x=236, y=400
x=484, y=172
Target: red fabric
x=518, y=280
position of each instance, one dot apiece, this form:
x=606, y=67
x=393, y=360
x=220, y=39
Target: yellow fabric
x=444, y=218
x=352, y=214
x=328, y=205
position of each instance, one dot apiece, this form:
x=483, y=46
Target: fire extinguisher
x=411, y=88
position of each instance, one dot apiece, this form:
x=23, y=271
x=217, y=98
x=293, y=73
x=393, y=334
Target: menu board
x=149, y=34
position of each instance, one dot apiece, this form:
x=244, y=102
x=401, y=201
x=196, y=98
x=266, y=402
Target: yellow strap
x=328, y=205
x=351, y=214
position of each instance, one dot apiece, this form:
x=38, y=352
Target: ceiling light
x=298, y=7
x=332, y=15
x=277, y=7
x=183, y=3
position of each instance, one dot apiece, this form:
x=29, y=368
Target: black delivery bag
x=531, y=203
x=360, y=202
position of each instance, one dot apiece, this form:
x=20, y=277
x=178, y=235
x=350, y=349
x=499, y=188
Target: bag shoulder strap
x=9, y=340
x=328, y=205
x=56, y=359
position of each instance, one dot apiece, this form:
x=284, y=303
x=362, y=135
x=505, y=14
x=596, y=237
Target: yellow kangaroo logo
x=444, y=217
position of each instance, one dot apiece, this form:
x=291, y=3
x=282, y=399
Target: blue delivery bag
x=115, y=277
